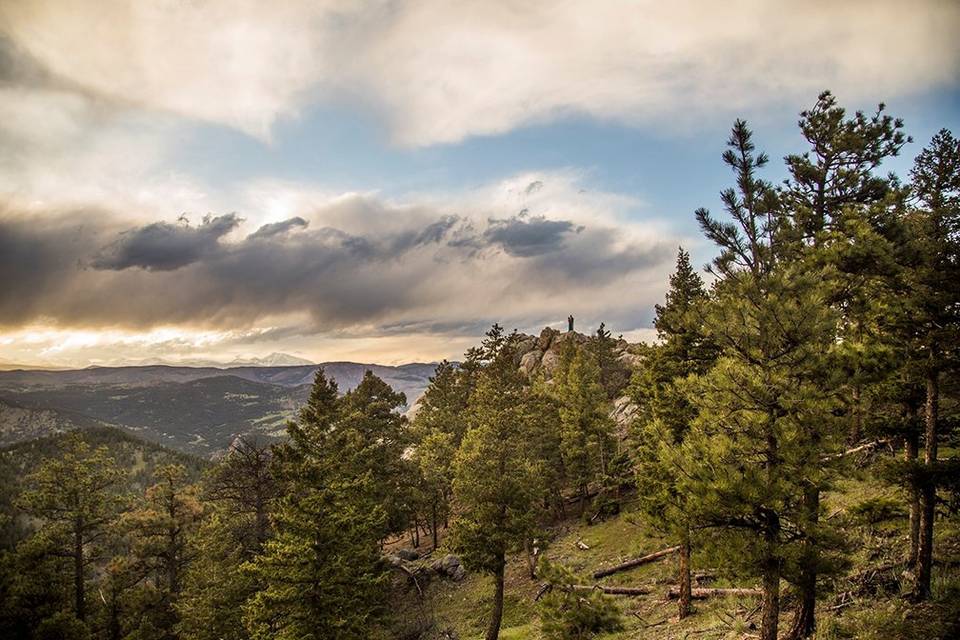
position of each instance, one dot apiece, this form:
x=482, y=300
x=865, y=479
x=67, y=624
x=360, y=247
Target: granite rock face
x=540, y=355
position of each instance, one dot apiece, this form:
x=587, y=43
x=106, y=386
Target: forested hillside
x=199, y=410
x=788, y=467
x=19, y=423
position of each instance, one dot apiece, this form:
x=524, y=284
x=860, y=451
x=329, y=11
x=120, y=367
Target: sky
x=380, y=181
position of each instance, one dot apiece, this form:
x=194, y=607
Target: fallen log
x=615, y=591
x=701, y=594
x=869, y=446
x=612, y=591
x=636, y=562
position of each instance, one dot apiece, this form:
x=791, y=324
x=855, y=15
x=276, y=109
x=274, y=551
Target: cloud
x=278, y=228
x=439, y=72
x=525, y=237
x=162, y=246
x=243, y=64
x=404, y=264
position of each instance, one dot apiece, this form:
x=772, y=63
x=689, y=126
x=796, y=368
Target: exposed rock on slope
x=540, y=355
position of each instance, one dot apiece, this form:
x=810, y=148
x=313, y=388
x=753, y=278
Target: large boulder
x=526, y=344
x=631, y=360
x=549, y=362
x=530, y=362
x=567, y=336
x=408, y=554
x=623, y=413
x=546, y=337
x=449, y=566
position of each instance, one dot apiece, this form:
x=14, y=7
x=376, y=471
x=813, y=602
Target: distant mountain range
x=272, y=360
x=199, y=410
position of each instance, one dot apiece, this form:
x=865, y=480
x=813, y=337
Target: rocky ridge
x=540, y=355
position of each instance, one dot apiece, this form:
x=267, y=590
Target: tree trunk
x=771, y=563
x=856, y=425
x=683, y=607
x=804, y=621
x=531, y=558
x=262, y=523
x=636, y=562
x=910, y=450
x=701, y=594
x=928, y=495
x=434, y=521
x=114, y=622
x=79, y=596
x=493, y=631
x=173, y=570
x=771, y=600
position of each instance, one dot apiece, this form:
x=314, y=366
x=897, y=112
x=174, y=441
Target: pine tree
x=320, y=575
x=586, y=432
x=752, y=453
x=545, y=443
x=614, y=375
x=74, y=495
x=665, y=413
x=838, y=224
x=434, y=458
x=159, y=530
x=371, y=440
x=568, y=613
x=495, y=480
x=216, y=585
x=243, y=485
x=442, y=407
x=240, y=490
x=934, y=283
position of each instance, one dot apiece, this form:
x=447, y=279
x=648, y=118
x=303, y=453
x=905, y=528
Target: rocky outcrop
x=540, y=355
x=623, y=412
x=530, y=362
x=449, y=566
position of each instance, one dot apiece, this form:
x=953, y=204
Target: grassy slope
x=463, y=608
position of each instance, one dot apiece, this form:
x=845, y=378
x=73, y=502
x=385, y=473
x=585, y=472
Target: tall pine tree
x=665, y=414
x=495, y=478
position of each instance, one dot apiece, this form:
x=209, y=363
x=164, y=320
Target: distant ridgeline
x=199, y=410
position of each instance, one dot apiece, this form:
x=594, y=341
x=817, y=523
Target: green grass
x=464, y=608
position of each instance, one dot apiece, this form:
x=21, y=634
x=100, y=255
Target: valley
x=197, y=410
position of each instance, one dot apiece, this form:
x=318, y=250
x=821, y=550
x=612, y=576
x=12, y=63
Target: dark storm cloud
x=599, y=260
x=41, y=257
x=162, y=246
x=278, y=228
x=432, y=271
x=524, y=236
